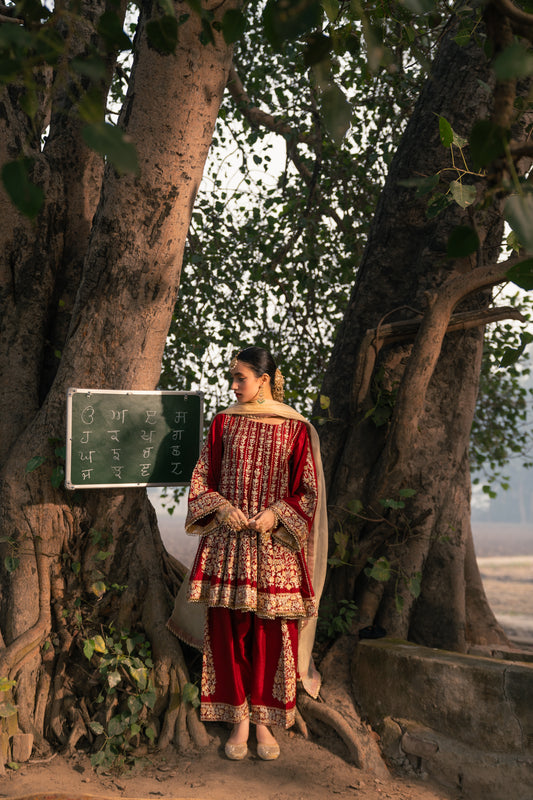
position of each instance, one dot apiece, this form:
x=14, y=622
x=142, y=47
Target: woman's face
x=245, y=382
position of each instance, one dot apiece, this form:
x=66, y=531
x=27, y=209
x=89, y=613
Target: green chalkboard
x=132, y=438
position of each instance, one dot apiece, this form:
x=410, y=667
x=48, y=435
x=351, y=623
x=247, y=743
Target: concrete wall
x=465, y=720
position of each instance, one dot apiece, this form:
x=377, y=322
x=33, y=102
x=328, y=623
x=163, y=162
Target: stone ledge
x=464, y=719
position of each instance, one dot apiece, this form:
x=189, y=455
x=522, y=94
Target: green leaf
x=463, y=194
x=25, y=195
x=436, y=204
x=422, y=185
x=7, y=710
x=355, y=506
x=516, y=61
x=96, y=727
x=462, y=242
x=233, y=25
x=407, y=492
x=117, y=725
x=140, y=676
x=113, y=679
x=331, y=7
x=518, y=214
x=522, y=275
x=389, y=502
x=149, y=732
x=289, y=19
x=445, y=131
x=487, y=143
x=162, y=34
x=98, y=588
x=34, y=463
x=109, y=141
x=324, y=401
x=317, y=49
x=419, y=6
x=336, y=112
x=110, y=29
x=92, y=67
x=190, y=694
x=11, y=563
x=88, y=648
x=415, y=584
x=58, y=476
x=381, y=570
x=134, y=704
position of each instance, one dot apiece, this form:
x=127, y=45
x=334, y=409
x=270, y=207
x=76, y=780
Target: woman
x=253, y=500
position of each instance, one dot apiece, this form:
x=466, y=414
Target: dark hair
x=260, y=360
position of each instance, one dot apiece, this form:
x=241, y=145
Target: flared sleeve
x=295, y=511
x=204, y=499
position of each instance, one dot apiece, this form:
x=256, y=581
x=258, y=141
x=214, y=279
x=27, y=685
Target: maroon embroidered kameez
x=256, y=587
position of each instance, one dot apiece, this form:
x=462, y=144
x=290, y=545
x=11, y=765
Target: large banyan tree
x=92, y=250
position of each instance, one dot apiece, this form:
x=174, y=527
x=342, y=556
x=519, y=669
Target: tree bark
x=434, y=594
x=118, y=275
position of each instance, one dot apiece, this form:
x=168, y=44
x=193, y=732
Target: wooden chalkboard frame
x=98, y=396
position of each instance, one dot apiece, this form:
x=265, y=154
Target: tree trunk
x=86, y=559
x=409, y=473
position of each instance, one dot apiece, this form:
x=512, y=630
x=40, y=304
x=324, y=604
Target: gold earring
x=260, y=395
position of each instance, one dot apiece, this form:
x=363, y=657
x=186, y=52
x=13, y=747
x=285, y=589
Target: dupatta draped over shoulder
x=258, y=456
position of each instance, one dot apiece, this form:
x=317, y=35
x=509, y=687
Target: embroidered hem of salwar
x=265, y=715
x=266, y=606
x=259, y=715
x=223, y=712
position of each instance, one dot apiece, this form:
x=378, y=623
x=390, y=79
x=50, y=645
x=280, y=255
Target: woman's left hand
x=263, y=522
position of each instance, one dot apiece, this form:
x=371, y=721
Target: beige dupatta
x=187, y=619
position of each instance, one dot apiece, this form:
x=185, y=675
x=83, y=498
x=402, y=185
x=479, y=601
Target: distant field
x=502, y=539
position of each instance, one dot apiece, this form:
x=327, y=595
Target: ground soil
x=305, y=770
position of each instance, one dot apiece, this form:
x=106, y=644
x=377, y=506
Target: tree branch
x=521, y=21
x=412, y=393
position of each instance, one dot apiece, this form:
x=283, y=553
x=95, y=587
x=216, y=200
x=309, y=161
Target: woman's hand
x=264, y=521
x=232, y=516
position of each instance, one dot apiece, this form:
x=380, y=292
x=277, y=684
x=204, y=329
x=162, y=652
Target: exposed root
x=337, y=710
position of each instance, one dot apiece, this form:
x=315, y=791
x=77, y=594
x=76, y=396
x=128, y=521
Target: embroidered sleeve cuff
x=291, y=523
x=201, y=517
x=282, y=536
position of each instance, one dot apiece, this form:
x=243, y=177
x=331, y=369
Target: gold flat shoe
x=236, y=751
x=268, y=752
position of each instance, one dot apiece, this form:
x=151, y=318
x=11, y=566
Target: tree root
x=337, y=710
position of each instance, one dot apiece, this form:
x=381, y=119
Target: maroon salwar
x=256, y=587
x=249, y=667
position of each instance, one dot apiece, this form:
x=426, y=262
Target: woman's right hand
x=232, y=516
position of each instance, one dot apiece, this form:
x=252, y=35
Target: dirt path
x=304, y=771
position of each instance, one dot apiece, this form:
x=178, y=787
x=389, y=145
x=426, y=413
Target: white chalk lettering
x=147, y=436
x=113, y=435
x=175, y=450
x=176, y=436
x=181, y=416
x=117, y=472
x=145, y=470
x=87, y=415
x=119, y=415
x=87, y=456
x=86, y=474
x=176, y=468
x=116, y=455
x=147, y=452
x=85, y=437
x=150, y=418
